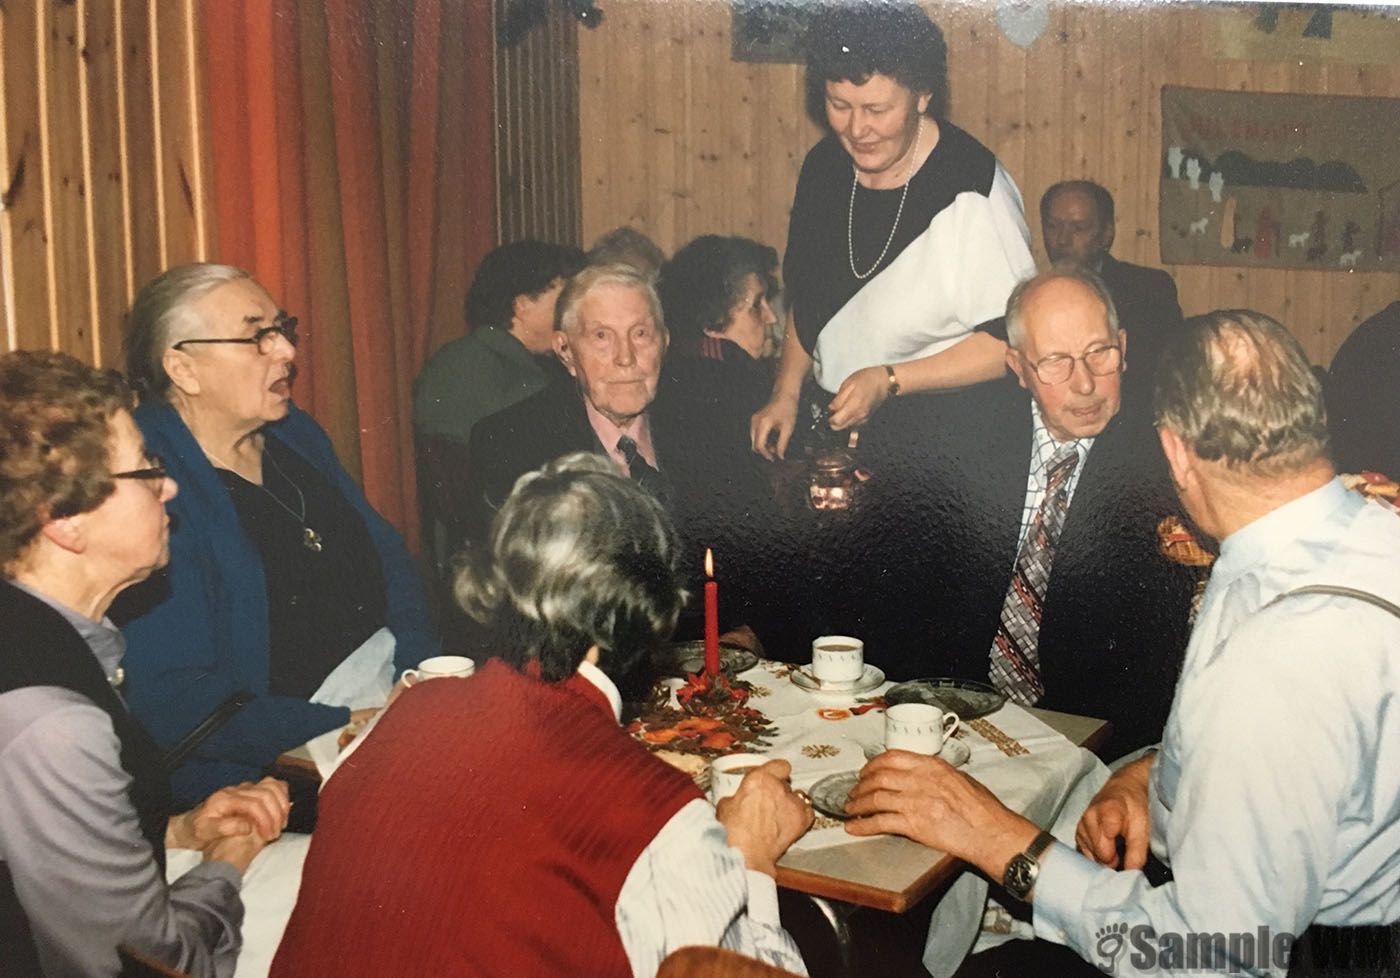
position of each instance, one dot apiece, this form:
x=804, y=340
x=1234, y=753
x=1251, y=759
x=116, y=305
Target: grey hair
x=577, y=556
x=161, y=317
x=627, y=246
x=595, y=277
x=1015, y=323
x=1236, y=387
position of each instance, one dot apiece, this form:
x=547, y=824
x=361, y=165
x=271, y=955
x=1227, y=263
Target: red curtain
x=353, y=175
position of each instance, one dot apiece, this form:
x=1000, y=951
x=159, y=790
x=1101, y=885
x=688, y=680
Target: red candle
x=711, y=616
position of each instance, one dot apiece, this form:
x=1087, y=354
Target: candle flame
x=709, y=563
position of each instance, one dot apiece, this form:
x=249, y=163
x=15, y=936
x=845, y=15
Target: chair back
x=716, y=962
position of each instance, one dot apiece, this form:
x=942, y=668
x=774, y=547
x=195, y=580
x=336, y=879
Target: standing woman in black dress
x=905, y=234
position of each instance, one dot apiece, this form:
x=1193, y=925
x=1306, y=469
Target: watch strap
x=1039, y=844
x=893, y=381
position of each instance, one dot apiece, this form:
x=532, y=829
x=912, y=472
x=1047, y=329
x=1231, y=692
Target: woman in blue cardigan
x=281, y=572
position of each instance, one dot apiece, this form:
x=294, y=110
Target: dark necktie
x=642, y=472
x=1015, y=656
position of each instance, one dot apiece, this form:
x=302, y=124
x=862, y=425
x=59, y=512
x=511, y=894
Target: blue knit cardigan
x=208, y=637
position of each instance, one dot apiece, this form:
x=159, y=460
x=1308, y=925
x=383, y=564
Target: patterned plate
x=969, y=700
x=830, y=793
x=681, y=659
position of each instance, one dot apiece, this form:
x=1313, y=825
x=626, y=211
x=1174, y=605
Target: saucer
x=870, y=678
x=830, y=793
x=955, y=752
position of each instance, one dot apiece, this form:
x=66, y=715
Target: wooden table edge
x=898, y=901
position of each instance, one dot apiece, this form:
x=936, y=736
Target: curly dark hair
x=521, y=268
x=702, y=282
x=55, y=438
x=895, y=38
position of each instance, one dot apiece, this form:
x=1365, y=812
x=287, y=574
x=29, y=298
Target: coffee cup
x=727, y=772
x=440, y=667
x=919, y=728
x=838, y=659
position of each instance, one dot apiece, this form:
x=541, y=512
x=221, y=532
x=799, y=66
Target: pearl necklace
x=310, y=539
x=851, y=210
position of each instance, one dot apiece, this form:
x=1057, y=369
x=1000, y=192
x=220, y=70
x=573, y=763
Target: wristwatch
x=893, y=390
x=1024, y=868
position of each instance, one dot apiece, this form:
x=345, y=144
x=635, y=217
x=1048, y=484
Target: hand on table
x=745, y=637
x=772, y=425
x=233, y=823
x=927, y=800
x=765, y=816
x=1119, y=810
x=859, y=396
x=359, y=719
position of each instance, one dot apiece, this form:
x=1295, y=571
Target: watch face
x=1020, y=875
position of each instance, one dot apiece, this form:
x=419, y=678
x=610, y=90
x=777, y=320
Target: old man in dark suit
x=611, y=338
x=1030, y=510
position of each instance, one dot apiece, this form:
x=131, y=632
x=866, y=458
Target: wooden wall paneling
x=1087, y=27
x=65, y=182
x=108, y=215
x=181, y=158
x=1009, y=133
x=140, y=212
x=1048, y=97
x=27, y=255
x=1159, y=41
x=1023, y=104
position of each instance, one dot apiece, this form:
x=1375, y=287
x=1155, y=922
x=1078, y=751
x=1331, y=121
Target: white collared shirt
x=1276, y=794
x=1043, y=448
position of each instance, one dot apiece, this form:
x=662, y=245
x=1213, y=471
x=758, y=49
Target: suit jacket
x=1148, y=309
x=949, y=487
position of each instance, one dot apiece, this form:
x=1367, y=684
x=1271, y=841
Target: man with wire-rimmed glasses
x=1038, y=568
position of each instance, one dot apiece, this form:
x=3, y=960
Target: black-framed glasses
x=1059, y=367
x=155, y=472
x=265, y=339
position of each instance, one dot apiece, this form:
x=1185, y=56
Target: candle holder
x=713, y=694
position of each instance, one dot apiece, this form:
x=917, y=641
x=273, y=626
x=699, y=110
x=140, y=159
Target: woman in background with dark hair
x=717, y=294
x=906, y=233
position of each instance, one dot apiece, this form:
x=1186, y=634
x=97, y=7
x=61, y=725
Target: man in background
x=1077, y=222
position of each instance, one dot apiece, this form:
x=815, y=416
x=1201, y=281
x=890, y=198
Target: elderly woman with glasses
x=85, y=808
x=283, y=575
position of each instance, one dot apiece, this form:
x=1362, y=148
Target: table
x=892, y=873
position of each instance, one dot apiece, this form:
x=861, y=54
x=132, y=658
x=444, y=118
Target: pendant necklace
x=851, y=211
x=310, y=539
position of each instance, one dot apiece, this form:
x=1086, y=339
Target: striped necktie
x=1015, y=656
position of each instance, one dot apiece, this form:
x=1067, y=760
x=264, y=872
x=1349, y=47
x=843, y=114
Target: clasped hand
x=234, y=823
x=1119, y=810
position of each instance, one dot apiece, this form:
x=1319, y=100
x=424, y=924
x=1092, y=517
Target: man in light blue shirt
x=1275, y=795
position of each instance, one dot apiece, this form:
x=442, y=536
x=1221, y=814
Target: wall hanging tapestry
x=1283, y=181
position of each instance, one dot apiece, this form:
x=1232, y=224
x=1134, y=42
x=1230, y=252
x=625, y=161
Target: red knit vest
x=484, y=829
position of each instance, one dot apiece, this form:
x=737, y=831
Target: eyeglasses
x=1058, y=368
x=155, y=472
x=265, y=339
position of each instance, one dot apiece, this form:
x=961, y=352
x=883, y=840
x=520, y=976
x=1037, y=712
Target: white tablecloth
x=823, y=733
